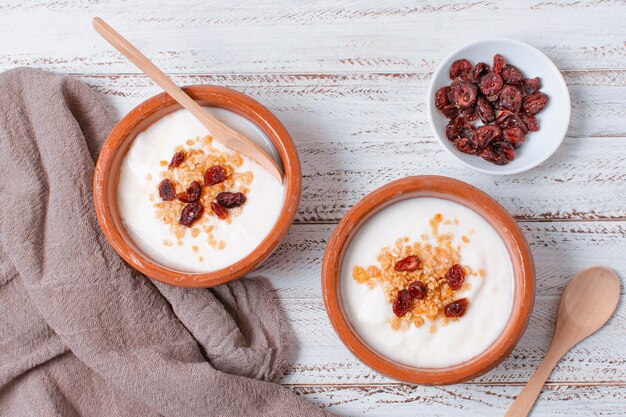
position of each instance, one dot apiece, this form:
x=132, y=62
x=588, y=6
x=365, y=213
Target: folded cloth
x=81, y=333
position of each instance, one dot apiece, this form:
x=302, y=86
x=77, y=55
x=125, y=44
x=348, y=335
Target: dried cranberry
x=512, y=75
x=166, y=190
x=506, y=148
x=219, y=211
x=468, y=131
x=531, y=85
x=191, y=213
x=230, y=200
x=498, y=63
x=479, y=70
x=511, y=98
x=441, y=98
x=514, y=135
x=493, y=98
x=464, y=94
x=191, y=194
x=530, y=121
x=508, y=119
x=492, y=155
x=214, y=175
x=486, y=134
x=535, y=102
x=453, y=129
x=466, y=146
x=450, y=111
x=485, y=110
x=403, y=303
x=456, y=308
x=177, y=159
x=468, y=114
x=461, y=67
x=491, y=84
x=455, y=277
x=417, y=289
x=408, y=264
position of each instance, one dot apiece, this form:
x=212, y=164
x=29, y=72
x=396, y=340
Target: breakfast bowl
x=152, y=155
x=454, y=255
x=550, y=123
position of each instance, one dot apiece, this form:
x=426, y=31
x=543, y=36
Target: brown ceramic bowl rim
x=476, y=200
x=116, y=145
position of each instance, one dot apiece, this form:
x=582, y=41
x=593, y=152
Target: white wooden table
x=348, y=79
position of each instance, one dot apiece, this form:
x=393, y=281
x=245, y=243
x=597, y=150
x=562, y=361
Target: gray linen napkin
x=81, y=333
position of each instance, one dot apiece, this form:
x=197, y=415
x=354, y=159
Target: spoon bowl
x=587, y=303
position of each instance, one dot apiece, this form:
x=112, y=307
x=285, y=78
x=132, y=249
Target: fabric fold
x=81, y=332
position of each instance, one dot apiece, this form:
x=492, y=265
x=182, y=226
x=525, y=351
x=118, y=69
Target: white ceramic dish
x=553, y=120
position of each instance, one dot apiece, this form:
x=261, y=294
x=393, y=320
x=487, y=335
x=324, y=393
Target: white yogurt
x=246, y=231
x=490, y=297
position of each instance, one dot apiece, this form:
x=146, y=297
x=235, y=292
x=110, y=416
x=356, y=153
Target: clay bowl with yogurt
x=428, y=280
x=183, y=209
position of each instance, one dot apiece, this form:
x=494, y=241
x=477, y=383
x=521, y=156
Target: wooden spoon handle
x=527, y=397
x=221, y=132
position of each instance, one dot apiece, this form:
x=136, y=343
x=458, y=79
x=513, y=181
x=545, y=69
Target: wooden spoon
x=587, y=303
x=222, y=133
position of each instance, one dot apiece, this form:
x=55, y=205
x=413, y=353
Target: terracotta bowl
x=107, y=175
x=494, y=214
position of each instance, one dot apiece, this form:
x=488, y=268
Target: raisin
x=408, y=264
x=166, y=190
x=464, y=94
x=191, y=194
x=219, y=211
x=455, y=277
x=403, y=303
x=456, y=308
x=491, y=84
x=531, y=85
x=468, y=114
x=508, y=119
x=485, y=110
x=230, y=200
x=441, y=98
x=466, y=146
x=511, y=98
x=191, y=213
x=535, y=102
x=479, y=70
x=453, y=129
x=512, y=75
x=486, y=134
x=177, y=159
x=214, y=175
x=498, y=63
x=492, y=155
x=417, y=289
x=514, y=135
x=461, y=67
x=530, y=121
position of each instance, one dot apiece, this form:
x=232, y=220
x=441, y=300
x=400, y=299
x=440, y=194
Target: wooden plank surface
x=464, y=400
x=348, y=80
x=312, y=36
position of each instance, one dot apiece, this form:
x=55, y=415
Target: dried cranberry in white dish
x=190, y=203
x=427, y=282
x=499, y=97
